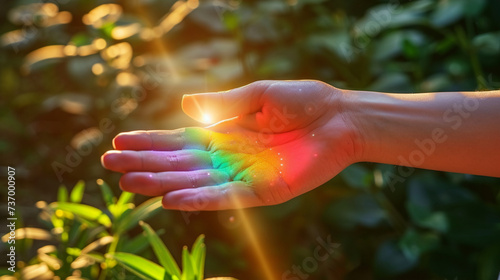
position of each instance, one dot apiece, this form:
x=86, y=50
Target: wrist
x=367, y=113
x=344, y=126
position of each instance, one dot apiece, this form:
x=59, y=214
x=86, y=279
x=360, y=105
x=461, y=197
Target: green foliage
x=86, y=243
x=426, y=225
x=141, y=267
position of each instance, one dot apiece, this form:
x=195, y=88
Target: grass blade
x=77, y=192
x=62, y=194
x=83, y=211
x=197, y=253
x=187, y=265
x=141, y=212
x=107, y=194
x=161, y=251
x=125, y=197
x=140, y=266
x=136, y=244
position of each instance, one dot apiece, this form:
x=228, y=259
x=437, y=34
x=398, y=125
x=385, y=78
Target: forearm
x=449, y=131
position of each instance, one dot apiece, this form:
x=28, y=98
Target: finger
x=216, y=106
x=154, y=184
x=163, y=140
x=231, y=195
x=156, y=161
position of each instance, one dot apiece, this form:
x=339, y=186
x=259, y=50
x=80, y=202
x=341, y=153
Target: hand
x=276, y=140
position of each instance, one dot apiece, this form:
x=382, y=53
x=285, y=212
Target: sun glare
x=206, y=118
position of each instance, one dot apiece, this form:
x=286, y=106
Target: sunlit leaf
x=83, y=211
x=44, y=55
x=140, y=266
x=161, y=251
x=87, y=260
x=141, y=212
x=52, y=261
x=102, y=14
x=62, y=194
x=77, y=192
x=117, y=210
x=187, y=265
x=107, y=194
x=125, y=197
x=198, y=252
x=37, y=271
x=29, y=233
x=97, y=244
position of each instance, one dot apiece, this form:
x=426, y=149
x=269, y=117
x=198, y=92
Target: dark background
x=428, y=225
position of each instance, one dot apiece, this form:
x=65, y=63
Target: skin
x=274, y=140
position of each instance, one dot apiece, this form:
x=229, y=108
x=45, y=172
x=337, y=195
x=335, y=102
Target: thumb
x=216, y=106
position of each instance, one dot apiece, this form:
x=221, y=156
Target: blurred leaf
x=391, y=261
x=392, y=82
x=392, y=43
x=450, y=11
x=140, y=266
x=80, y=39
x=474, y=7
x=77, y=192
x=107, y=29
x=357, y=176
x=83, y=211
x=62, y=194
x=357, y=210
x=410, y=50
x=413, y=244
x=231, y=21
x=424, y=217
x=487, y=43
x=105, y=240
x=337, y=42
x=29, y=233
x=438, y=82
x=161, y=251
x=447, y=12
x=214, y=16
x=86, y=260
x=276, y=65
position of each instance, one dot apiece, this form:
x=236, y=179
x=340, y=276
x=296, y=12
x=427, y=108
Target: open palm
x=275, y=140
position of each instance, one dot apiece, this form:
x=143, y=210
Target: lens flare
x=206, y=118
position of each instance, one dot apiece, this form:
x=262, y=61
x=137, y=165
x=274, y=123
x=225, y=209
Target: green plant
x=192, y=262
x=85, y=242
x=386, y=45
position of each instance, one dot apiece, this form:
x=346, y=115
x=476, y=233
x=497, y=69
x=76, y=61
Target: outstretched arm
x=448, y=131
x=280, y=139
